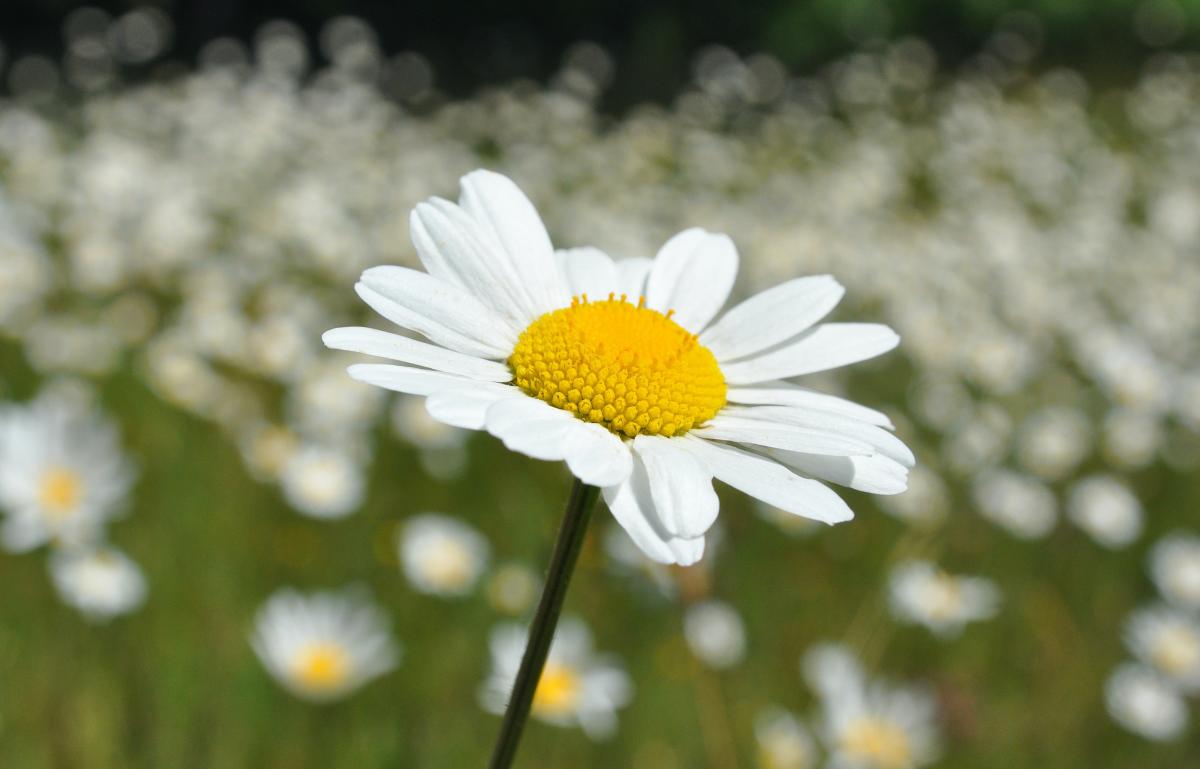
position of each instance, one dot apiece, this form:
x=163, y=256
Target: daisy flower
x=783, y=742
x=441, y=555
x=577, y=686
x=1169, y=641
x=62, y=473
x=101, y=582
x=869, y=724
x=1175, y=568
x=323, y=646
x=323, y=482
x=619, y=369
x=715, y=633
x=1140, y=700
x=923, y=594
x=1107, y=510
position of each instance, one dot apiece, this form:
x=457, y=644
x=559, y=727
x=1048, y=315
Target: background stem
x=541, y=632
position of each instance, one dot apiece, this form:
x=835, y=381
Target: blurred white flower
x=101, y=582
x=441, y=555
x=923, y=594
x=1021, y=505
x=513, y=588
x=322, y=646
x=925, y=501
x=715, y=633
x=1169, y=641
x=869, y=724
x=1175, y=568
x=578, y=687
x=1053, y=441
x=1106, y=509
x=1144, y=703
x=322, y=482
x=783, y=742
x=62, y=473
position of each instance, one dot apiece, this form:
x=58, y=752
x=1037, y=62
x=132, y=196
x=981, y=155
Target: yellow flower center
x=620, y=365
x=59, y=492
x=557, y=691
x=450, y=565
x=323, y=667
x=1177, y=651
x=878, y=743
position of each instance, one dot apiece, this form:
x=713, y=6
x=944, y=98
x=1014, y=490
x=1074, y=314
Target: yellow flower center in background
x=59, y=492
x=557, y=691
x=1177, y=651
x=449, y=564
x=878, y=743
x=620, y=365
x=322, y=667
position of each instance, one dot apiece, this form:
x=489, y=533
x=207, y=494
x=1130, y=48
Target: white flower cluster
x=1147, y=696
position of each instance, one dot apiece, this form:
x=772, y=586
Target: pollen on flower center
x=878, y=743
x=59, y=492
x=557, y=690
x=620, y=365
x=322, y=667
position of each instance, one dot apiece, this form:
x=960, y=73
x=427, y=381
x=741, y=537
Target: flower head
x=923, y=594
x=441, y=555
x=619, y=369
x=101, y=582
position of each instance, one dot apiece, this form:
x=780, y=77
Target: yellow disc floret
x=620, y=365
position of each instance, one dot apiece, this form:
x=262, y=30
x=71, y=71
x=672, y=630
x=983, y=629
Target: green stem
x=541, y=633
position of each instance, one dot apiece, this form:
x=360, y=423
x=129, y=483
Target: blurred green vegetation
x=176, y=685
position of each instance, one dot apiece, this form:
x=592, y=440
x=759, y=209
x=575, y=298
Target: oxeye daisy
x=323, y=646
x=62, y=473
x=1169, y=641
x=101, y=582
x=578, y=687
x=623, y=369
x=923, y=594
x=440, y=555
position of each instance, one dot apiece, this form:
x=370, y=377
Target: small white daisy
x=1107, y=510
x=923, y=594
x=322, y=646
x=715, y=633
x=577, y=687
x=513, y=588
x=62, y=473
x=322, y=482
x=1169, y=641
x=618, y=368
x=441, y=555
x=101, y=582
x=870, y=724
x=1021, y=505
x=1175, y=568
x=1140, y=700
x=783, y=742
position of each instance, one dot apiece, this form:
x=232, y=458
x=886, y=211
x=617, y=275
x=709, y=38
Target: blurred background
x=219, y=551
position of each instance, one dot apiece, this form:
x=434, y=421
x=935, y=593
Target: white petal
x=772, y=316
x=445, y=314
x=405, y=379
x=781, y=435
x=453, y=246
x=680, y=485
x=499, y=205
x=875, y=474
x=632, y=506
x=876, y=437
x=382, y=344
x=770, y=481
x=467, y=406
x=692, y=275
x=827, y=346
x=786, y=394
x=589, y=271
x=631, y=277
x=596, y=456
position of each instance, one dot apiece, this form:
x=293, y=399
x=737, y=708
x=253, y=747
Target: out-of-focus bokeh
x=220, y=551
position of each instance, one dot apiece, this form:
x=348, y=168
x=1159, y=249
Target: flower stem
x=562, y=565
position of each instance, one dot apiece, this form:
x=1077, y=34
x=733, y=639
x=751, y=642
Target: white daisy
x=618, y=369
x=1023, y=506
x=442, y=555
x=577, y=687
x=322, y=482
x=1169, y=641
x=870, y=724
x=923, y=594
x=62, y=473
x=1140, y=700
x=1175, y=568
x=101, y=582
x=1107, y=510
x=513, y=588
x=715, y=633
x=783, y=742
x=322, y=646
